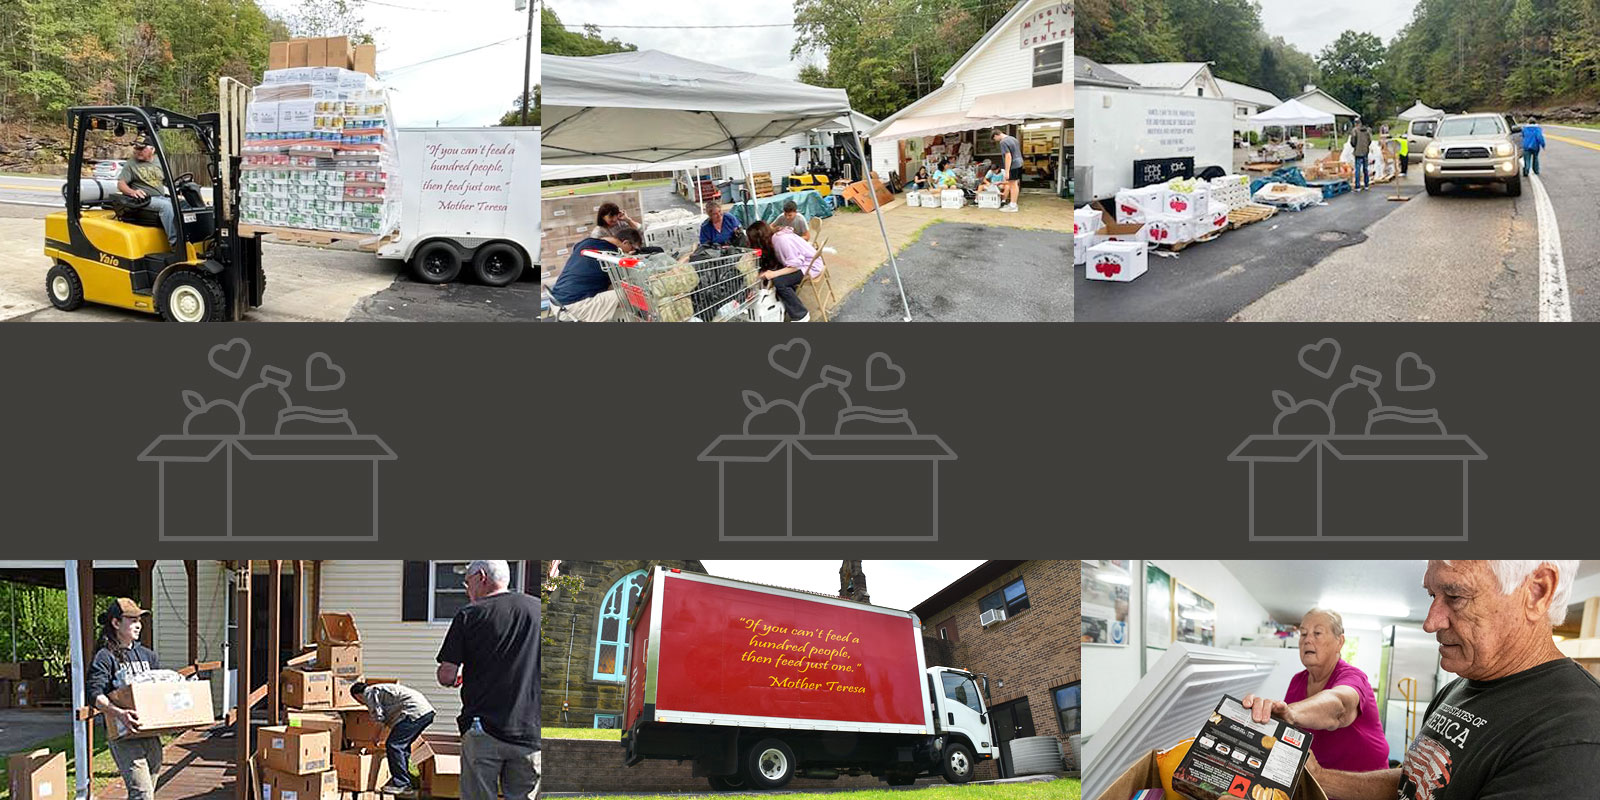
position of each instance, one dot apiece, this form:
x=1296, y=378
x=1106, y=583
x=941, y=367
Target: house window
x=447, y=589
x=1013, y=598
x=947, y=631
x=613, y=635
x=1069, y=699
x=1199, y=91
x=1047, y=61
x=608, y=721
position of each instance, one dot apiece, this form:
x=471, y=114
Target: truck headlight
x=1432, y=167
x=1431, y=152
x=1504, y=149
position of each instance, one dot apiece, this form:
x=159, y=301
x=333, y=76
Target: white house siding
x=169, y=614
x=774, y=157
x=406, y=651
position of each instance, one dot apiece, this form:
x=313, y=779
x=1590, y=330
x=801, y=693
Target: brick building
x=1028, y=648
x=584, y=664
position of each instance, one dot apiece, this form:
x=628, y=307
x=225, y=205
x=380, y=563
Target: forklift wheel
x=436, y=262
x=497, y=264
x=64, y=287
x=191, y=296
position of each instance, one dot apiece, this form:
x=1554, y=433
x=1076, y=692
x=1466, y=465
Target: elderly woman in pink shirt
x=786, y=261
x=1330, y=698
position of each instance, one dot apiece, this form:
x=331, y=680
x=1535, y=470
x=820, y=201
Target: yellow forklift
x=110, y=248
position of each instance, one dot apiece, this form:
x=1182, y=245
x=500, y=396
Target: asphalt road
x=1570, y=169
x=31, y=191
x=23, y=728
x=958, y=272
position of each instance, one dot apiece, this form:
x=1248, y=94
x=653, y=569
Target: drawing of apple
x=1305, y=418
x=771, y=417
x=1128, y=210
x=1108, y=267
x=1179, y=204
x=214, y=418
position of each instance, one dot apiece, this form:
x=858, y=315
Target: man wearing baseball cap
x=143, y=179
x=116, y=664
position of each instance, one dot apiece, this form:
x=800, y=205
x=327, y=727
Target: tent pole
x=877, y=208
x=81, y=723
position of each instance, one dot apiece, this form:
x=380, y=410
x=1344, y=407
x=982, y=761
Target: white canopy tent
x=651, y=107
x=1288, y=114
x=1420, y=111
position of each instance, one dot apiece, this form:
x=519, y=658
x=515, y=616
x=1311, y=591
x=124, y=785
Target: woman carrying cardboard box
x=115, y=664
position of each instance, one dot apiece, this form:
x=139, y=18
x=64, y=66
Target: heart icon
x=1411, y=375
x=883, y=375
x=1108, y=268
x=230, y=359
x=790, y=359
x=1321, y=358
x=322, y=375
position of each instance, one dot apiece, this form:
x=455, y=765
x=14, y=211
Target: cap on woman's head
x=122, y=608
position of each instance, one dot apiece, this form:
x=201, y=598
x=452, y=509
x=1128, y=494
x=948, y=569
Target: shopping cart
x=712, y=284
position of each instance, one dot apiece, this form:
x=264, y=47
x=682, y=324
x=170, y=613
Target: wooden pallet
x=1263, y=166
x=1248, y=214
x=1178, y=247
x=762, y=181
x=304, y=236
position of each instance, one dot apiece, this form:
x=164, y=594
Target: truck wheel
x=64, y=287
x=724, y=783
x=191, y=296
x=957, y=763
x=770, y=764
x=497, y=264
x=1434, y=187
x=1514, y=187
x=436, y=262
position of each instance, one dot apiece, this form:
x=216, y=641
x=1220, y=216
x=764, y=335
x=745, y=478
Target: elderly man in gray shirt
x=407, y=713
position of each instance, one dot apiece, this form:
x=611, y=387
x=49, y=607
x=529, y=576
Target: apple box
x=1185, y=204
x=1169, y=230
x=277, y=785
x=1214, y=220
x=1085, y=220
x=294, y=750
x=1139, y=205
x=162, y=708
x=1081, y=244
x=307, y=689
x=362, y=770
x=330, y=721
x=39, y=775
x=1116, y=261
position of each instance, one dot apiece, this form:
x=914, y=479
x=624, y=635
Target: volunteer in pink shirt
x=1330, y=698
x=786, y=261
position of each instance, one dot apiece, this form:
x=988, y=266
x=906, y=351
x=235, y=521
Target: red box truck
x=757, y=685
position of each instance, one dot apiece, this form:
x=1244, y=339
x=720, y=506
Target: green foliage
x=514, y=116
x=555, y=40
x=1353, y=72
x=33, y=621
x=571, y=584
x=1464, y=54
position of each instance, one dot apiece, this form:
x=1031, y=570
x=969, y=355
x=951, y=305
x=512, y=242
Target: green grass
x=1590, y=125
x=602, y=734
x=603, y=186
x=1054, y=790
x=105, y=769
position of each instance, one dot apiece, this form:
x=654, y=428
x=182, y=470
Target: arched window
x=613, y=636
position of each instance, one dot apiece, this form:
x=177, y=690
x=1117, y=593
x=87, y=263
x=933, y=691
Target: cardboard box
x=365, y=59
x=1086, y=220
x=162, y=708
x=1147, y=773
x=438, y=760
x=39, y=775
x=23, y=694
x=338, y=645
x=343, y=700
x=299, y=53
x=359, y=726
x=278, y=55
x=1117, y=261
x=1169, y=230
x=1185, y=205
x=277, y=785
x=361, y=770
x=307, y=689
x=1235, y=756
x=21, y=670
x=5, y=694
x=336, y=52
x=294, y=750
x=1138, y=205
x=1081, y=244
x=330, y=721
x=579, y=211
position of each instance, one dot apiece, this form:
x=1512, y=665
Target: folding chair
x=821, y=281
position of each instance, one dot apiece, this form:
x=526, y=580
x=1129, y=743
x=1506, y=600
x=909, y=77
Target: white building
x=1248, y=101
x=1014, y=79
x=1322, y=101
x=1190, y=78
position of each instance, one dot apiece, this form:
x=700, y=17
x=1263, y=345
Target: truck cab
x=960, y=718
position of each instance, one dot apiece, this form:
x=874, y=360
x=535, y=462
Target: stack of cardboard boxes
x=22, y=684
x=566, y=221
x=323, y=710
x=320, y=142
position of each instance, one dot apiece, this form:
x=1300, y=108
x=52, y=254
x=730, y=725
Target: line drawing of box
x=1398, y=457
x=860, y=453
x=328, y=478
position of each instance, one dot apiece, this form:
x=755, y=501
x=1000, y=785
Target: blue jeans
x=1361, y=172
x=169, y=217
x=398, y=746
x=1530, y=161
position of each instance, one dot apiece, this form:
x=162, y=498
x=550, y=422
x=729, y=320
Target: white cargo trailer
x=1116, y=129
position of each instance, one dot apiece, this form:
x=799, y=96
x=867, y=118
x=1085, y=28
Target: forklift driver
x=143, y=179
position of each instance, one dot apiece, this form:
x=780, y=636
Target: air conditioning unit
x=992, y=616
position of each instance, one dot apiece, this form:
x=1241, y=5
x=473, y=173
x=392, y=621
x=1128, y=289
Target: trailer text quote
x=473, y=178
x=807, y=659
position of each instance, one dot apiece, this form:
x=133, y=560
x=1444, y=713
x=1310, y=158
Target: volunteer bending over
x=115, y=665
x=786, y=262
x=1521, y=722
x=1331, y=698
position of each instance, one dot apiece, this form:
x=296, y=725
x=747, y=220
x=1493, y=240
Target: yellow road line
x=28, y=188
x=1568, y=140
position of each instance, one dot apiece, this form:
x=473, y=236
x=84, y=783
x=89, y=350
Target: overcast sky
x=764, y=51
x=467, y=90
x=1313, y=26
x=895, y=584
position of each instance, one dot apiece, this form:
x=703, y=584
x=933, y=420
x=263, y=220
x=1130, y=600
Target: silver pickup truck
x=1474, y=149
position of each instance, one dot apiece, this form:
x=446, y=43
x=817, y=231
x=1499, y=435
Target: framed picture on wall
x=1157, y=607
x=1106, y=587
x=1194, y=616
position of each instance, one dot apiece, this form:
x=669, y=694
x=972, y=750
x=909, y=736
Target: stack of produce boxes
x=566, y=221
x=296, y=762
x=319, y=153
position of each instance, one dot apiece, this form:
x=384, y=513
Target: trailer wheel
x=724, y=783
x=497, y=264
x=957, y=763
x=436, y=262
x=769, y=764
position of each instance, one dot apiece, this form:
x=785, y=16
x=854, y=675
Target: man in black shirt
x=492, y=652
x=1522, y=721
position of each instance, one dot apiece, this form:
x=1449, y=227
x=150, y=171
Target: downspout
x=567, y=687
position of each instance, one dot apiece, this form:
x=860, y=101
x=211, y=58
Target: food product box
x=330, y=721
x=307, y=689
x=277, y=785
x=1139, y=205
x=39, y=775
x=294, y=750
x=262, y=117
x=21, y=670
x=990, y=199
x=1117, y=261
x=162, y=707
x=1237, y=757
x=343, y=698
x=338, y=645
x=1080, y=246
x=1184, y=198
x=1086, y=220
x=952, y=198
x=914, y=199
x=1169, y=230
x=1215, y=219
x=359, y=726
x=361, y=770
x=1150, y=778
x=438, y=760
